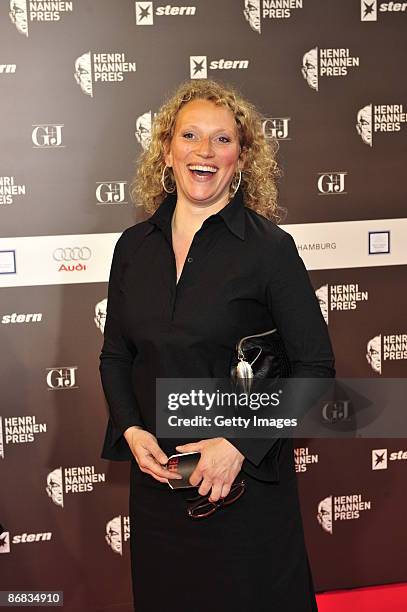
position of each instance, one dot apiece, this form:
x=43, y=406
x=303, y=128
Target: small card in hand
x=184, y=464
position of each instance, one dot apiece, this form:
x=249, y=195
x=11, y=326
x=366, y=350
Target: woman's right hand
x=149, y=456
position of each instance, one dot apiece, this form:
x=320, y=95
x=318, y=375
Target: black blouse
x=242, y=276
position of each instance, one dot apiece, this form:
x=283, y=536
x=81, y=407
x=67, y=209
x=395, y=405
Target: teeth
x=203, y=168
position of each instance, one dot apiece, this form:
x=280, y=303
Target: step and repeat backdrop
x=80, y=82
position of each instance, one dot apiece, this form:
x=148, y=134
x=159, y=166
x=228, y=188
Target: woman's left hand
x=218, y=466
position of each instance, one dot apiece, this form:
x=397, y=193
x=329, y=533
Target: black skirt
x=249, y=556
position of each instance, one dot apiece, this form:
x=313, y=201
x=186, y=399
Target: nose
x=205, y=148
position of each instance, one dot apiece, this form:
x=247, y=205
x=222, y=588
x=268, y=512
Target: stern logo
x=145, y=12
x=381, y=456
x=379, y=459
x=23, y=538
x=199, y=65
x=4, y=541
x=369, y=8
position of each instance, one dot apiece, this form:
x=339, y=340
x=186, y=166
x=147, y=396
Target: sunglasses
x=201, y=507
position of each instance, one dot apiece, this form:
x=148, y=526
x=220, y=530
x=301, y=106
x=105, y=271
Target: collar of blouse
x=233, y=214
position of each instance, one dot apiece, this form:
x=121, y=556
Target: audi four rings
x=72, y=254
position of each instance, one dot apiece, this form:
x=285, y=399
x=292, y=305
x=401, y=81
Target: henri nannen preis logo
x=257, y=11
x=336, y=508
x=383, y=348
x=9, y=189
x=64, y=481
x=100, y=315
x=91, y=68
x=340, y=297
x=19, y=430
x=378, y=118
x=117, y=532
x=23, y=12
x=321, y=62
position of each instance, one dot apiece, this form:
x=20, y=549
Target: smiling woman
x=257, y=155
x=205, y=270
x=204, y=153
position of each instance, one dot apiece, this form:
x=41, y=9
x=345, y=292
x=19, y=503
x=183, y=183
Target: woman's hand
x=218, y=466
x=149, y=456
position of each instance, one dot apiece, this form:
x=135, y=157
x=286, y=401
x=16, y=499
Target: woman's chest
x=219, y=295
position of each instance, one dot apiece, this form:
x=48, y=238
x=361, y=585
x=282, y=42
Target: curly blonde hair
x=259, y=170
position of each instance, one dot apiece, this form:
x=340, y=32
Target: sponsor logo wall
x=81, y=83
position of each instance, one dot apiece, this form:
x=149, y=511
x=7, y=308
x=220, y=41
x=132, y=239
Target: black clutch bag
x=259, y=358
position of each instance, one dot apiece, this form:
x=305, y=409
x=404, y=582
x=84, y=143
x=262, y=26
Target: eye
x=188, y=135
x=224, y=139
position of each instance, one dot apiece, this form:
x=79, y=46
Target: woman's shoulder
x=259, y=227
x=129, y=242
x=133, y=235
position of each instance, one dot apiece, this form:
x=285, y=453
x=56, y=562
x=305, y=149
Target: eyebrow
x=196, y=127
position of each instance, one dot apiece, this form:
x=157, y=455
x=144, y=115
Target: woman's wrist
x=128, y=432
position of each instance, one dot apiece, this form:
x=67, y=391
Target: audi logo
x=72, y=254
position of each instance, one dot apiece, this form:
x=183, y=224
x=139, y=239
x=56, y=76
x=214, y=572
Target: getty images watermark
x=217, y=401
x=300, y=407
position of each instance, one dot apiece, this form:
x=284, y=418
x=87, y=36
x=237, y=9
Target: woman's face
x=204, y=152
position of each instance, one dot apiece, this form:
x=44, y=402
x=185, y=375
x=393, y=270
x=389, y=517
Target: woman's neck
x=188, y=218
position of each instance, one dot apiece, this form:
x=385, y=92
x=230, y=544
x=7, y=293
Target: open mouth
x=202, y=170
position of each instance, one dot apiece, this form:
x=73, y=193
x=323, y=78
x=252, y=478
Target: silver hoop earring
x=163, y=181
x=238, y=185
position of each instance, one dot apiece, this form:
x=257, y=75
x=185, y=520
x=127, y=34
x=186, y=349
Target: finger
x=157, y=452
x=225, y=490
x=147, y=461
x=147, y=471
x=196, y=477
x=216, y=492
x=205, y=487
x=191, y=447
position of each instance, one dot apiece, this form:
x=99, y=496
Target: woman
x=208, y=267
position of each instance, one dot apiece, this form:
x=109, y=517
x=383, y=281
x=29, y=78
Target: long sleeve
x=116, y=362
x=296, y=313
